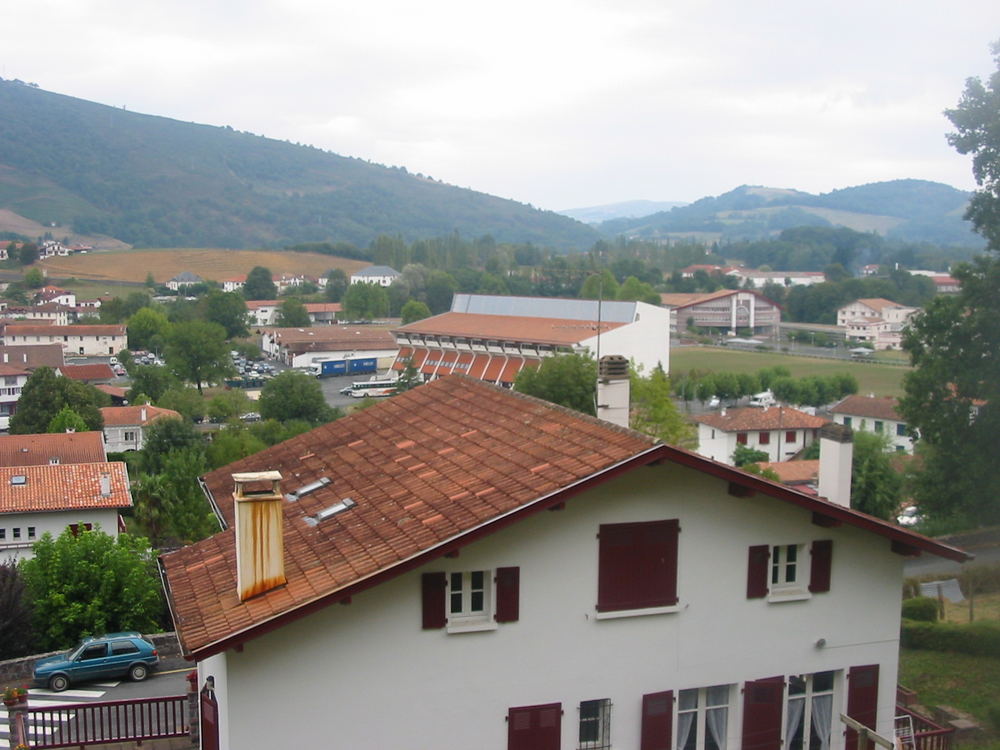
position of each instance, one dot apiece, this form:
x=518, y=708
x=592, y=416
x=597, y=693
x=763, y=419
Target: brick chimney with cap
x=260, y=547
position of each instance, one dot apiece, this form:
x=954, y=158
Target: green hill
x=88, y=169
x=905, y=210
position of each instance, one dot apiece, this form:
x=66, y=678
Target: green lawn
x=880, y=379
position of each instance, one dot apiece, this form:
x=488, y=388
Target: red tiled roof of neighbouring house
x=63, y=487
x=12, y=370
x=874, y=407
x=357, y=337
x=254, y=304
x=115, y=416
x=32, y=356
x=113, y=391
x=751, y=418
x=555, y=331
x=430, y=470
x=65, y=447
x=685, y=299
x=85, y=373
x=323, y=307
x=878, y=303
x=793, y=472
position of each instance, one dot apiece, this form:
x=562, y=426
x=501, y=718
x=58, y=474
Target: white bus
x=374, y=388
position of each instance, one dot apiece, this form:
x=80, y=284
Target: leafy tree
x=228, y=309
x=27, y=253
x=295, y=395
x=88, y=583
x=151, y=381
x=231, y=444
x=228, y=405
x=150, y=282
x=272, y=432
x=196, y=352
x=414, y=310
x=639, y=291
x=654, y=412
x=147, y=328
x=875, y=485
x=166, y=436
x=365, y=302
x=768, y=473
x=336, y=285
x=441, y=287
x=744, y=455
x=170, y=505
x=259, y=284
x=67, y=420
x=34, y=279
x=953, y=393
x=600, y=286
x=45, y=394
x=185, y=401
x=15, y=613
x=567, y=379
x=293, y=314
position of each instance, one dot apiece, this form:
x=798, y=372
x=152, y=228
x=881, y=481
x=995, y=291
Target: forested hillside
x=151, y=181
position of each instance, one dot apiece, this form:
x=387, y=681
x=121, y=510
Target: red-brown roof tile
x=128, y=415
x=793, y=472
x=38, y=329
x=86, y=373
x=63, y=487
x=874, y=407
x=65, y=447
x=555, y=331
x=750, y=418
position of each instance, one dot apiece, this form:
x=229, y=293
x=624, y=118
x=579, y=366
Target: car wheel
x=138, y=672
x=58, y=683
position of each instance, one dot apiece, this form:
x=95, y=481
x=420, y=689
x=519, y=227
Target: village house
x=52, y=448
x=32, y=357
x=875, y=321
x=57, y=295
x=262, y=312
x=125, y=426
x=49, y=312
x=53, y=249
x=96, y=373
x=541, y=580
x=234, y=283
x=49, y=497
x=13, y=379
x=381, y=275
x=782, y=278
x=779, y=431
x=492, y=337
x=874, y=414
x=184, y=279
x=726, y=310
x=85, y=340
x=302, y=347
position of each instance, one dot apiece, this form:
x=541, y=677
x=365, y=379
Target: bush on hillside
x=976, y=638
x=921, y=609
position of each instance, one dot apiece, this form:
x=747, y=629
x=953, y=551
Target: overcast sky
x=555, y=103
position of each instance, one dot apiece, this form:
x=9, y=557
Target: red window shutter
x=862, y=700
x=657, y=720
x=762, y=704
x=432, y=589
x=757, y=571
x=790, y=436
x=764, y=438
x=741, y=438
x=508, y=582
x=534, y=727
x=822, y=560
x=638, y=565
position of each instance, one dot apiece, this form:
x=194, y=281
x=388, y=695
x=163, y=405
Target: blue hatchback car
x=114, y=655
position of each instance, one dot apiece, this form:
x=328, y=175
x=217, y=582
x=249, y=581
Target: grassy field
x=133, y=265
x=882, y=380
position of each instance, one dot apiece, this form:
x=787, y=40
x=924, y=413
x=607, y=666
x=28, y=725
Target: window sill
x=619, y=613
x=471, y=626
x=789, y=595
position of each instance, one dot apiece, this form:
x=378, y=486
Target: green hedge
x=921, y=608
x=977, y=638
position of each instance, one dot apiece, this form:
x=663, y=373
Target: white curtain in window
x=715, y=720
x=684, y=723
x=822, y=714
x=796, y=706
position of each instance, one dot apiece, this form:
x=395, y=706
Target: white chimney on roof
x=613, y=390
x=142, y=415
x=260, y=544
x=836, y=453
x=105, y=484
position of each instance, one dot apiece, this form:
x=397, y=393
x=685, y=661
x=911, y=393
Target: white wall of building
x=385, y=357
x=719, y=445
x=901, y=443
x=54, y=523
x=377, y=680
x=646, y=340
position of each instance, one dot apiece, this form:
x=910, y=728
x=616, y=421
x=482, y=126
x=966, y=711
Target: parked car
x=713, y=403
x=114, y=655
x=250, y=416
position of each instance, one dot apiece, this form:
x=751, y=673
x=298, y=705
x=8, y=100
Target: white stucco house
x=381, y=275
x=49, y=497
x=12, y=380
x=877, y=321
x=496, y=571
x=85, y=340
x=726, y=310
x=125, y=426
x=779, y=431
x=874, y=414
x=184, y=279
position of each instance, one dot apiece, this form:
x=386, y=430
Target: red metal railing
x=926, y=734
x=115, y=721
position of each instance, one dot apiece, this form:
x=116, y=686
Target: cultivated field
x=213, y=265
x=882, y=380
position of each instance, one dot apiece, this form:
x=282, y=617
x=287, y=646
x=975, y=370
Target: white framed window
x=595, y=724
x=470, y=600
x=703, y=718
x=786, y=567
x=809, y=711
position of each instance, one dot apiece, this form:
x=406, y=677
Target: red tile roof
x=874, y=407
x=878, y=303
x=357, y=337
x=323, y=307
x=113, y=391
x=117, y=416
x=430, y=470
x=555, y=331
x=67, y=447
x=750, y=418
x=12, y=371
x=793, y=472
x=88, y=372
x=63, y=487
x=32, y=356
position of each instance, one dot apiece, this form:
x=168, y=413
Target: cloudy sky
x=555, y=103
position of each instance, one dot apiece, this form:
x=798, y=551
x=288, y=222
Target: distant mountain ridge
x=624, y=210
x=83, y=168
x=907, y=210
